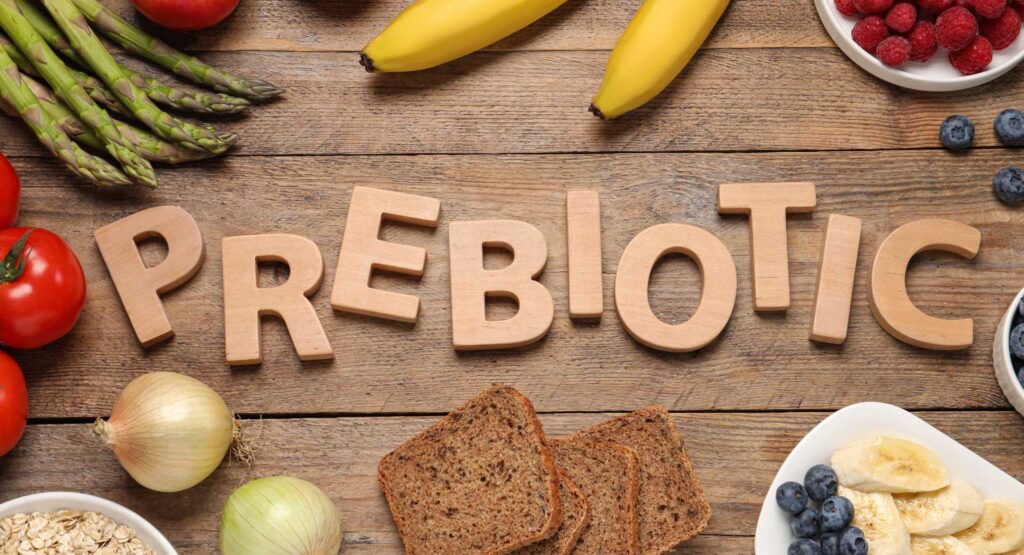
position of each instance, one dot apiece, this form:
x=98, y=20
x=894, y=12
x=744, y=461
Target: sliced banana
x=889, y=465
x=947, y=545
x=943, y=512
x=877, y=516
x=999, y=530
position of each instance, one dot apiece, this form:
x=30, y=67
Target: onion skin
x=169, y=431
x=280, y=515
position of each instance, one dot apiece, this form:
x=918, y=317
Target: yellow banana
x=431, y=32
x=659, y=42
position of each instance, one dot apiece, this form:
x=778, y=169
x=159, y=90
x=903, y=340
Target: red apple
x=186, y=15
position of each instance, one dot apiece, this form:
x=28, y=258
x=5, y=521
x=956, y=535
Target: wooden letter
x=245, y=301
x=834, y=293
x=472, y=284
x=767, y=204
x=633, y=280
x=362, y=252
x=583, y=223
x=140, y=287
x=888, y=291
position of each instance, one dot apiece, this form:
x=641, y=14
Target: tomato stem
x=13, y=265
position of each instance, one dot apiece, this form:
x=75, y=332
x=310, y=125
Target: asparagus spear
x=96, y=90
x=148, y=145
x=89, y=47
x=17, y=94
x=49, y=65
x=200, y=102
x=153, y=49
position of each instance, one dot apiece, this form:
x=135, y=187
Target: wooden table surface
x=503, y=134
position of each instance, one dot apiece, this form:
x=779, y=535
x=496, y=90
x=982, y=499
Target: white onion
x=280, y=516
x=169, y=431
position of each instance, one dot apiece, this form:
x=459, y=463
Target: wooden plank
x=347, y=25
x=736, y=456
x=389, y=367
x=535, y=102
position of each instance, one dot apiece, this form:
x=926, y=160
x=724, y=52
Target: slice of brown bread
x=673, y=506
x=480, y=481
x=575, y=517
x=610, y=477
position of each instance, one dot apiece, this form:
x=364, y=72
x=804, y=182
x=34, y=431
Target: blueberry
x=804, y=547
x=791, y=497
x=836, y=513
x=1020, y=309
x=805, y=524
x=1017, y=341
x=830, y=543
x=957, y=132
x=852, y=542
x=1020, y=376
x=821, y=482
x=1010, y=127
x=1009, y=185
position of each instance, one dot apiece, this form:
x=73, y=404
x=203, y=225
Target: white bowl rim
x=1002, y=341
x=829, y=16
x=83, y=501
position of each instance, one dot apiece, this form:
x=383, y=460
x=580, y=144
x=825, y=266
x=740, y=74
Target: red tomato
x=186, y=15
x=42, y=288
x=13, y=403
x=10, y=188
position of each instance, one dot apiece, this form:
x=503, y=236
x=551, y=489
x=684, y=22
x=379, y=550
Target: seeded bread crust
x=423, y=460
x=609, y=475
x=576, y=516
x=673, y=505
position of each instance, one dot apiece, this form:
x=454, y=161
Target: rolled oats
x=67, y=532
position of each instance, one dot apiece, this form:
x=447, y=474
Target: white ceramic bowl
x=1005, y=373
x=58, y=500
x=855, y=422
x=936, y=75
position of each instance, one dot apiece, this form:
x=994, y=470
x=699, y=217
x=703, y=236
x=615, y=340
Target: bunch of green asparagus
x=58, y=77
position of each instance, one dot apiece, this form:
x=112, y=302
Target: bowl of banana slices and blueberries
x=1008, y=353
x=891, y=496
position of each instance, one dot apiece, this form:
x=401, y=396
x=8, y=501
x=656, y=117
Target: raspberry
x=989, y=9
x=901, y=17
x=1003, y=31
x=973, y=59
x=872, y=6
x=870, y=31
x=935, y=6
x=956, y=28
x=922, y=41
x=893, y=51
x=846, y=7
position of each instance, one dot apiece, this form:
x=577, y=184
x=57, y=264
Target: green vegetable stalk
x=49, y=65
x=153, y=49
x=89, y=47
x=97, y=90
x=16, y=93
x=148, y=145
x=200, y=102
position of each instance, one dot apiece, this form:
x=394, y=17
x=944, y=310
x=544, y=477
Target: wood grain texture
x=348, y=25
x=536, y=102
x=736, y=457
x=389, y=367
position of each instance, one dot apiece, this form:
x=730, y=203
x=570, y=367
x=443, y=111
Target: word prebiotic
x=363, y=252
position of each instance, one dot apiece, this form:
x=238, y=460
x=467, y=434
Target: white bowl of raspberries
x=928, y=45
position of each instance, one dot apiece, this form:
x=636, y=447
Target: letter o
x=633, y=279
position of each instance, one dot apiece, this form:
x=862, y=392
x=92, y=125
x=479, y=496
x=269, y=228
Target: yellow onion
x=280, y=516
x=169, y=431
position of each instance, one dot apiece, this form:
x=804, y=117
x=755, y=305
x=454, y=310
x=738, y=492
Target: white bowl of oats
x=85, y=524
